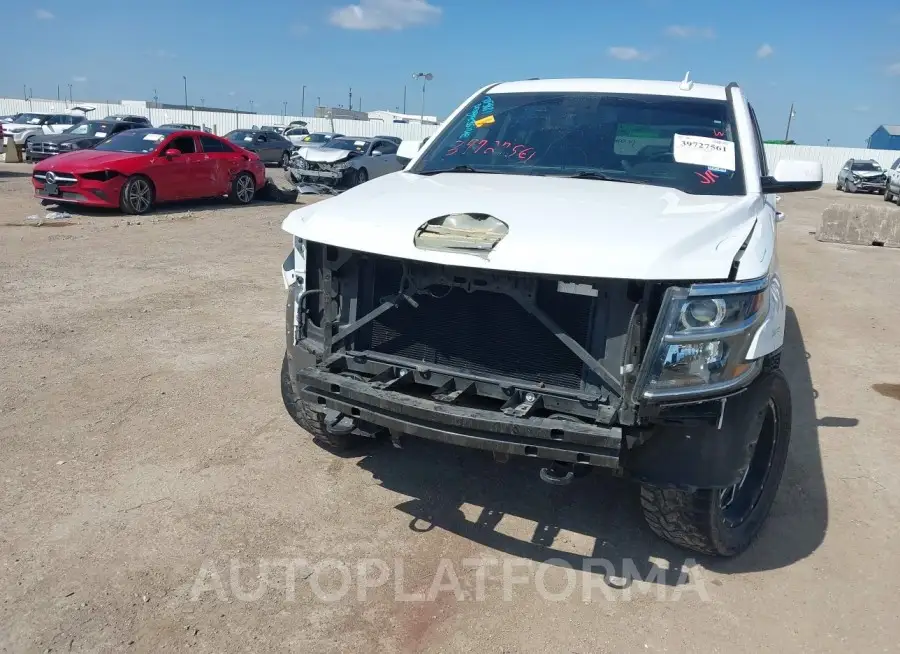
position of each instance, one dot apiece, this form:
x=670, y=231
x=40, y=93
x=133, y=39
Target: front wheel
x=362, y=176
x=886, y=195
x=136, y=196
x=285, y=160
x=243, y=188
x=725, y=521
x=336, y=437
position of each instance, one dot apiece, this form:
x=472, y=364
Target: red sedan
x=135, y=169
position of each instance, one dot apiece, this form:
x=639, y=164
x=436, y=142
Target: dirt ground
x=151, y=483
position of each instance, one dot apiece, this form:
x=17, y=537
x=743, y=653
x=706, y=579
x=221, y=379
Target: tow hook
x=558, y=473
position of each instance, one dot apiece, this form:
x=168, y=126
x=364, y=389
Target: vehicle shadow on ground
x=599, y=517
x=9, y=174
x=186, y=208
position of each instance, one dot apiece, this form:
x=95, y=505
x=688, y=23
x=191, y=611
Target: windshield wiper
x=591, y=174
x=462, y=168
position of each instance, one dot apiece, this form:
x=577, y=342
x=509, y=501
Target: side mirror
x=407, y=150
x=377, y=153
x=791, y=176
x=172, y=152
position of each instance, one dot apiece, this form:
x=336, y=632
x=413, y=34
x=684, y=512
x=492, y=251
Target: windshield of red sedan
x=138, y=141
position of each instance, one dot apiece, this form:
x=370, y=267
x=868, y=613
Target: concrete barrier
x=860, y=224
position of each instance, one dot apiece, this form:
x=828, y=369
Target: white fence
x=831, y=158
x=222, y=122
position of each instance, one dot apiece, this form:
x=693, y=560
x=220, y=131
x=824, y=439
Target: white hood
x=565, y=227
x=866, y=174
x=323, y=154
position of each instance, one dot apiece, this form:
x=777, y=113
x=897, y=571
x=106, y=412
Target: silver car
x=344, y=161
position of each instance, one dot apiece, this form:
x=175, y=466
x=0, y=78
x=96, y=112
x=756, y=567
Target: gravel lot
x=145, y=455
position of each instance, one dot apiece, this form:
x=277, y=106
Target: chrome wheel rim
x=244, y=189
x=737, y=502
x=139, y=196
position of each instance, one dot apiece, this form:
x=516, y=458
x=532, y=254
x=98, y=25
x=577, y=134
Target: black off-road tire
x=307, y=416
x=362, y=176
x=887, y=196
x=127, y=196
x=696, y=520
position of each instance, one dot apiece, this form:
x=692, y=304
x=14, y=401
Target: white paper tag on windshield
x=703, y=151
x=99, y=135
x=359, y=142
x=153, y=137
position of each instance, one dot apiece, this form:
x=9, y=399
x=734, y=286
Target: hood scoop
x=465, y=233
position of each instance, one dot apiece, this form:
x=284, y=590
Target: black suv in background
x=83, y=136
x=142, y=121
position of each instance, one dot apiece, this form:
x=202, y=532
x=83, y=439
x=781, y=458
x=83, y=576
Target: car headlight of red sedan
x=100, y=176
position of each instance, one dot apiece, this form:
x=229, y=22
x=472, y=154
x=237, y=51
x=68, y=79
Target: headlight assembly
x=700, y=340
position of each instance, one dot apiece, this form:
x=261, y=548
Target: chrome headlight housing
x=700, y=340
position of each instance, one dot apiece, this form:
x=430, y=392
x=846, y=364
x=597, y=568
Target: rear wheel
x=243, y=189
x=137, y=195
x=337, y=437
x=724, y=521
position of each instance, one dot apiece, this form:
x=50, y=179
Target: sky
x=839, y=67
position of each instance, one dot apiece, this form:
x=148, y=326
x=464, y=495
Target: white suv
x=577, y=270
x=30, y=124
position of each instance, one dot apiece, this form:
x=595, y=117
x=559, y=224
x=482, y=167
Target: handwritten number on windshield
x=505, y=149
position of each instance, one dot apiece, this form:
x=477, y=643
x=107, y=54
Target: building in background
x=394, y=117
x=886, y=137
x=339, y=113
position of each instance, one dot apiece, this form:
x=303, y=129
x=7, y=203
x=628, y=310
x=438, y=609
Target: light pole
x=186, y=99
x=284, y=112
x=425, y=77
x=318, y=100
x=787, y=132
x=251, y=106
x=303, y=101
x=70, y=94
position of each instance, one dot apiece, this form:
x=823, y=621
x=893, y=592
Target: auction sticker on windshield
x=702, y=151
x=631, y=139
x=153, y=137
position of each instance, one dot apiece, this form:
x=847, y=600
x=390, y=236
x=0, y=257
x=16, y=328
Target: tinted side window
x=185, y=144
x=213, y=145
x=760, y=146
x=387, y=147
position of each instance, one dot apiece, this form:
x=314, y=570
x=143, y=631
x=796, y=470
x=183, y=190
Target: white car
x=346, y=160
x=301, y=138
x=582, y=271
x=29, y=124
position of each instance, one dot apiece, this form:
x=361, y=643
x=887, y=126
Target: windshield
x=90, y=128
x=683, y=143
x=240, y=136
x=348, y=144
x=865, y=166
x=31, y=119
x=139, y=141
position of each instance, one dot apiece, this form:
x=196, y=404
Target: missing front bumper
x=483, y=429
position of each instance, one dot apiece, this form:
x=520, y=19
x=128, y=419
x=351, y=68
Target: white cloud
x=893, y=69
x=161, y=54
x=299, y=29
x=765, y=50
x=690, y=32
x=385, y=14
x=43, y=14
x=79, y=78
x=861, y=108
x=232, y=93
x=626, y=53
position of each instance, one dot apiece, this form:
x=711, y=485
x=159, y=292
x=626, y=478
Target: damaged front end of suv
x=539, y=326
